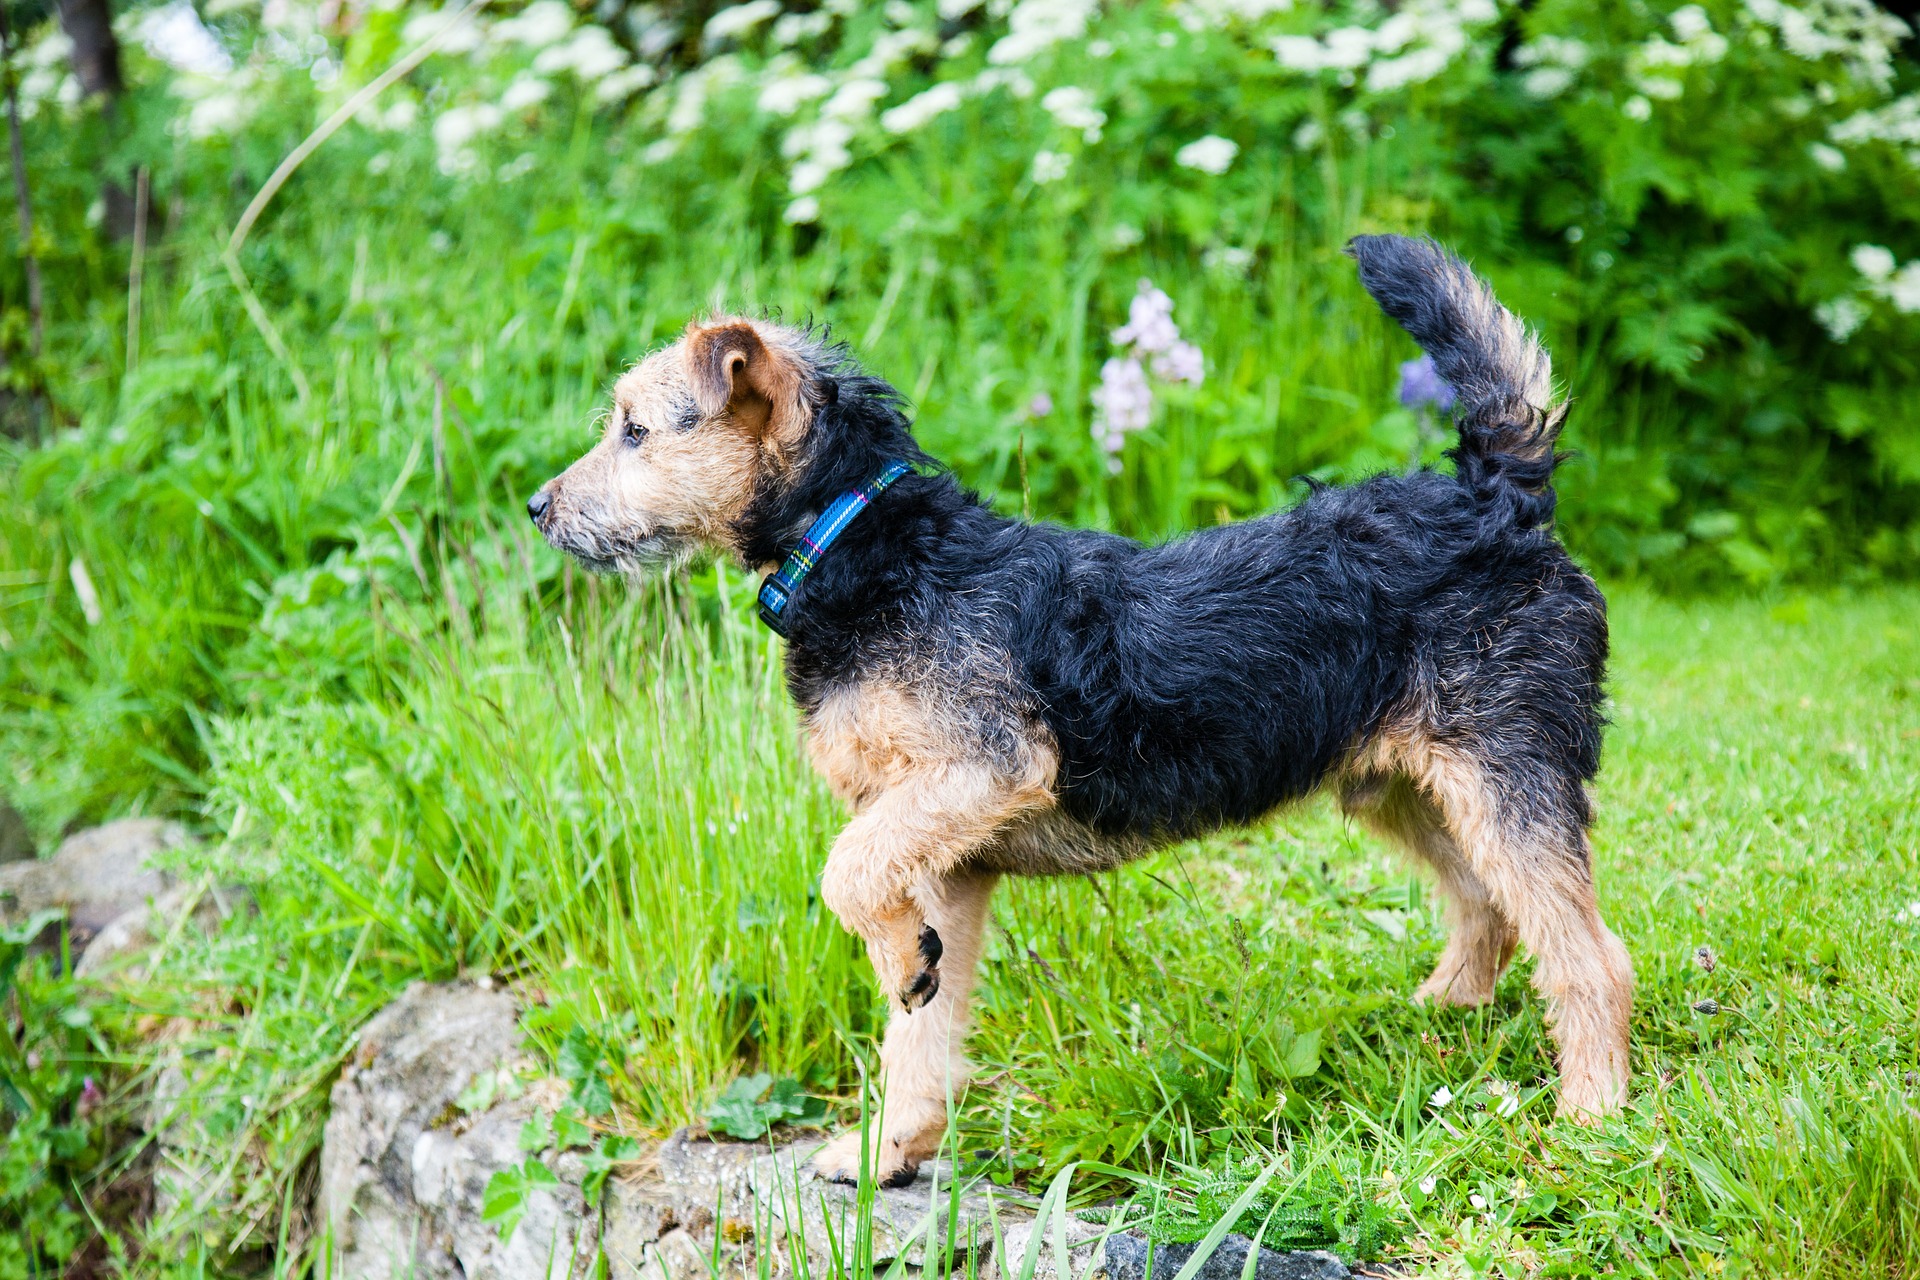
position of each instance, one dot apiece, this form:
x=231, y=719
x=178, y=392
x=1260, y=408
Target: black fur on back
x=1205, y=681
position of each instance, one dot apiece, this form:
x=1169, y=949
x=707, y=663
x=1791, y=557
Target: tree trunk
x=96, y=51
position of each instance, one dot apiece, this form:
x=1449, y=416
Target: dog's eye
x=633, y=434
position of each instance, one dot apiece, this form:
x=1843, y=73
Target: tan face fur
x=693, y=430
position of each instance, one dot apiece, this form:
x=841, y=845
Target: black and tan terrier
x=992, y=697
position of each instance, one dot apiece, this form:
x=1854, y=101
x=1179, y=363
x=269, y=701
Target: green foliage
x=504, y=1202
x=751, y=1105
x=1329, y=1209
x=53, y=1133
x=321, y=631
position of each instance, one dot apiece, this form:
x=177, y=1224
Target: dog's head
x=721, y=441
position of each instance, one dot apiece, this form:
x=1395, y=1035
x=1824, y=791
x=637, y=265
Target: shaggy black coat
x=1207, y=680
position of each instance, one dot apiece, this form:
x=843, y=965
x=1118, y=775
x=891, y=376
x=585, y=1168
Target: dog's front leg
x=916, y=832
x=896, y=878
x=922, y=1062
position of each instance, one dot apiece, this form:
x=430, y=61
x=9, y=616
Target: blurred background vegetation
x=262, y=562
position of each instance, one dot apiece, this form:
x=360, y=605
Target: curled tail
x=1501, y=377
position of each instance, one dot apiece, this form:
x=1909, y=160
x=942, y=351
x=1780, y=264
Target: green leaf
x=536, y=1134
x=504, y=1202
x=570, y=1130
x=751, y=1105
x=1303, y=1055
x=594, y=1095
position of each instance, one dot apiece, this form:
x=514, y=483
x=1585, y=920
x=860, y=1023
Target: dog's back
x=1208, y=680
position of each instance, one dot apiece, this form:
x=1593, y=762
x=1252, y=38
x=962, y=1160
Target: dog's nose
x=537, y=505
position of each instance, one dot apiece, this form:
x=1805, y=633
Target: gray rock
x=398, y=1200
x=120, y=948
x=16, y=840
x=799, y=1210
x=1127, y=1259
x=403, y=1175
x=95, y=876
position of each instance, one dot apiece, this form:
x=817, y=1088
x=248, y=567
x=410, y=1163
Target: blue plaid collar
x=777, y=591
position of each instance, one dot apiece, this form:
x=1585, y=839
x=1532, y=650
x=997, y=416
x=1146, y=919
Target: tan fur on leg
x=1480, y=940
x=922, y=1063
x=1537, y=871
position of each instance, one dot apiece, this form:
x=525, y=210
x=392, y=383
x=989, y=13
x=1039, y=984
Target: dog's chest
x=868, y=737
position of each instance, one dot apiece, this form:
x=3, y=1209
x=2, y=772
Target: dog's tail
x=1501, y=377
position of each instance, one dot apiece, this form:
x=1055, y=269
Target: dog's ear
x=760, y=387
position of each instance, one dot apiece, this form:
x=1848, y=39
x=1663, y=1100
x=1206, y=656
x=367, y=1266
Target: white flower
x=1636, y=108
x=1347, y=48
x=518, y=167
x=1508, y=1105
x=455, y=128
x=175, y=35
x=1122, y=402
x=1017, y=83
x=1875, y=262
x=1308, y=135
x=1547, y=82
x=891, y=48
x=1149, y=323
x=854, y=100
x=1412, y=68
x=1299, y=53
x=1897, y=122
x=216, y=114
x=1037, y=25
x=922, y=107
x=1477, y=1200
x=540, y=24
x=805, y=209
x=808, y=175
x=1211, y=154
x=525, y=91
x=953, y=10
x=1050, y=166
x=1427, y=1184
x=1553, y=51
x=463, y=37
x=1227, y=259
x=823, y=141
x=1073, y=108
x=729, y=24
x=788, y=94
x=1181, y=362
x=792, y=28
x=623, y=83
x=1909, y=912
x=1832, y=159
x=1441, y=1099
x=1904, y=289
x=591, y=54
x=1690, y=22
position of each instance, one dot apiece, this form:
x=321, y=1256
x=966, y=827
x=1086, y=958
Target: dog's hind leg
x=1480, y=939
x=922, y=1060
x=1521, y=827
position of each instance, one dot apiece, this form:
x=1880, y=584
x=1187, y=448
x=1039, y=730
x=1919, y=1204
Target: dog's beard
x=632, y=558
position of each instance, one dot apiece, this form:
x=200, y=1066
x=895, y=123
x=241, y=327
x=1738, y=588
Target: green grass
x=609, y=806
x=326, y=637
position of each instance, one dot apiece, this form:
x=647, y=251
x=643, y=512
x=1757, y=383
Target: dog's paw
x=926, y=983
x=839, y=1161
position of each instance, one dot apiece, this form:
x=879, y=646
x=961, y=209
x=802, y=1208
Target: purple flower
x=1421, y=387
x=90, y=1096
x=1040, y=406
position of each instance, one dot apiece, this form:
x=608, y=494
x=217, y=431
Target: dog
x=992, y=697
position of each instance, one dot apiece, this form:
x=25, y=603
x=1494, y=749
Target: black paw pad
x=900, y=1178
x=930, y=947
x=924, y=989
